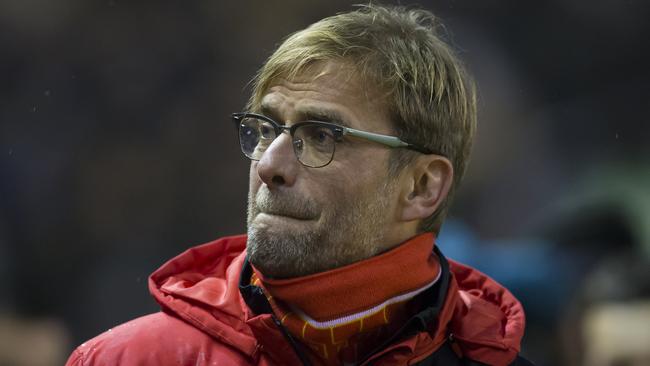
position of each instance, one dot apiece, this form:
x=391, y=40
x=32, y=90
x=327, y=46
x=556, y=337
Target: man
x=359, y=129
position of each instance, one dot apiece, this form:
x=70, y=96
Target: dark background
x=116, y=151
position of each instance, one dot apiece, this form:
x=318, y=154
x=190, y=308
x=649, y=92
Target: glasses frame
x=337, y=130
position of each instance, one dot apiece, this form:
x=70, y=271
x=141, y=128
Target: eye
x=321, y=135
x=267, y=131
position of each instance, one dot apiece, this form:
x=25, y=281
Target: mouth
x=284, y=216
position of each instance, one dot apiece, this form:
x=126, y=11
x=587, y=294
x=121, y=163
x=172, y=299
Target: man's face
x=305, y=220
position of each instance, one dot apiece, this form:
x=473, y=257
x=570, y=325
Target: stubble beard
x=347, y=232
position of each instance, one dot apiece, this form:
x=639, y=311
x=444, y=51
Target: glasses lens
x=314, y=145
x=255, y=136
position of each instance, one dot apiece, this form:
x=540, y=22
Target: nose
x=278, y=166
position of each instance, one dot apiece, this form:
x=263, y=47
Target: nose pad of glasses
x=298, y=146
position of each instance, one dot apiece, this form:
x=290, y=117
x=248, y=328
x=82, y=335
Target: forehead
x=330, y=90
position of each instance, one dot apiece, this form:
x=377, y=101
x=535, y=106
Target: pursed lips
x=286, y=215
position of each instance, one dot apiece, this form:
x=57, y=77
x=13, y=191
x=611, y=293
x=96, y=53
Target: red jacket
x=206, y=319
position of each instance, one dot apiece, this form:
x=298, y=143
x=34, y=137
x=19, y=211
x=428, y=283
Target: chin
x=281, y=250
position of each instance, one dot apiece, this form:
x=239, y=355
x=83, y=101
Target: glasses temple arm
x=391, y=141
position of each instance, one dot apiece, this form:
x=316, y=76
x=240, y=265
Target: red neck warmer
x=341, y=314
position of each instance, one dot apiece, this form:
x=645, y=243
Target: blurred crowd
x=116, y=153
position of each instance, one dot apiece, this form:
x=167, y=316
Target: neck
x=341, y=313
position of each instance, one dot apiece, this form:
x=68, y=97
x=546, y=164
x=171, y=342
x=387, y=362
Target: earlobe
x=429, y=183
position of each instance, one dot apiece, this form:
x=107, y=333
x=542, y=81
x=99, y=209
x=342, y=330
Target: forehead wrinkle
x=277, y=105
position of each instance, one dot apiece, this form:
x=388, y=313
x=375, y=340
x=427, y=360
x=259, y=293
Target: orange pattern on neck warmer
x=344, y=313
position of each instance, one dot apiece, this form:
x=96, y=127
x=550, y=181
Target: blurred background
x=116, y=153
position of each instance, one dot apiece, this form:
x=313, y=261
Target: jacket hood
x=201, y=286
x=488, y=321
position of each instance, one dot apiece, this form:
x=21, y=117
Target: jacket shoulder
x=155, y=339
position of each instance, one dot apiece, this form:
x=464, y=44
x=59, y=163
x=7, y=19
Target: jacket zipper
x=301, y=355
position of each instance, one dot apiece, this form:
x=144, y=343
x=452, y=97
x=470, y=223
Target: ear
x=426, y=185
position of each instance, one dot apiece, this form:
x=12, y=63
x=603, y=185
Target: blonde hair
x=429, y=96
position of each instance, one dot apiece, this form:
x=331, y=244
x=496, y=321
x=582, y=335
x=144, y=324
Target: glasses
x=314, y=142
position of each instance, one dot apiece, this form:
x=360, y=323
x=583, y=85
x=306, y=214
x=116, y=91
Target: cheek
x=361, y=168
x=343, y=186
x=254, y=180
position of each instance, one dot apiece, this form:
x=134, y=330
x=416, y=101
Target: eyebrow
x=322, y=115
x=308, y=113
x=269, y=111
